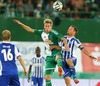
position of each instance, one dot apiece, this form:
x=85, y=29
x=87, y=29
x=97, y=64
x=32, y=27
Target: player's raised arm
x=65, y=43
x=27, y=28
x=88, y=54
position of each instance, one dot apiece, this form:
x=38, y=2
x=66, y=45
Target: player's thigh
x=40, y=81
x=69, y=61
x=49, y=71
x=34, y=81
x=50, y=65
x=4, y=80
x=67, y=81
x=67, y=72
x=14, y=80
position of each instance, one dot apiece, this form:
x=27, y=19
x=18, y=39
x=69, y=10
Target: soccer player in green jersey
x=51, y=39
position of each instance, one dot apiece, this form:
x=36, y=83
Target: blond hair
x=6, y=35
x=48, y=21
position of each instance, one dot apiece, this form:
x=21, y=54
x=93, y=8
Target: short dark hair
x=75, y=28
x=38, y=48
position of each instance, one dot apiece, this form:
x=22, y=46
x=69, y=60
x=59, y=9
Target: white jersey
x=73, y=44
x=38, y=66
x=47, y=49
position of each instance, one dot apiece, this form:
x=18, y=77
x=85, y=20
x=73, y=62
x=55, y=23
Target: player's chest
x=44, y=36
x=70, y=42
x=52, y=37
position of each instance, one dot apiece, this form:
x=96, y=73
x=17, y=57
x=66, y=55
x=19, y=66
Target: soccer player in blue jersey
x=8, y=55
x=50, y=38
x=69, y=60
x=37, y=62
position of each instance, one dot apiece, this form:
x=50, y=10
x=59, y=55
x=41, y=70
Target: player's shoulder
x=12, y=44
x=7, y=43
x=77, y=40
x=54, y=32
x=74, y=38
x=65, y=36
x=38, y=29
x=42, y=57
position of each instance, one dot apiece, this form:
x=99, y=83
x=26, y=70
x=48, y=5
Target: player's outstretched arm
x=65, y=43
x=27, y=28
x=29, y=72
x=23, y=65
x=88, y=54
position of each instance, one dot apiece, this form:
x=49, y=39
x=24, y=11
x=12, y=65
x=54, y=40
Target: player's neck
x=38, y=55
x=6, y=40
x=69, y=36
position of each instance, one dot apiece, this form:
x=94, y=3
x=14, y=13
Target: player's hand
x=28, y=79
x=58, y=47
x=25, y=73
x=93, y=58
x=48, y=41
x=67, y=48
x=17, y=21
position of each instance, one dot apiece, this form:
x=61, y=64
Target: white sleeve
x=60, y=44
x=77, y=43
x=17, y=52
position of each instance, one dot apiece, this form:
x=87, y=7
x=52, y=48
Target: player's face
x=70, y=31
x=37, y=51
x=47, y=27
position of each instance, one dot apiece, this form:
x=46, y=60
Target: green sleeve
x=38, y=32
x=58, y=35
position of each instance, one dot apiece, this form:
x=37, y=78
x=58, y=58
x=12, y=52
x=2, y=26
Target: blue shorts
x=36, y=80
x=9, y=80
x=66, y=68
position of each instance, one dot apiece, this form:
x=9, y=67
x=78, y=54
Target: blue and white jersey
x=8, y=56
x=38, y=66
x=73, y=44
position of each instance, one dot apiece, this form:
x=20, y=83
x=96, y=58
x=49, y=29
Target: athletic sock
x=73, y=71
x=59, y=62
x=48, y=83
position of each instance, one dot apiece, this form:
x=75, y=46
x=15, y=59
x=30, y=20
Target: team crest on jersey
x=44, y=36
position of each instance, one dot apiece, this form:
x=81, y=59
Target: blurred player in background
x=8, y=55
x=37, y=62
x=50, y=38
x=69, y=60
